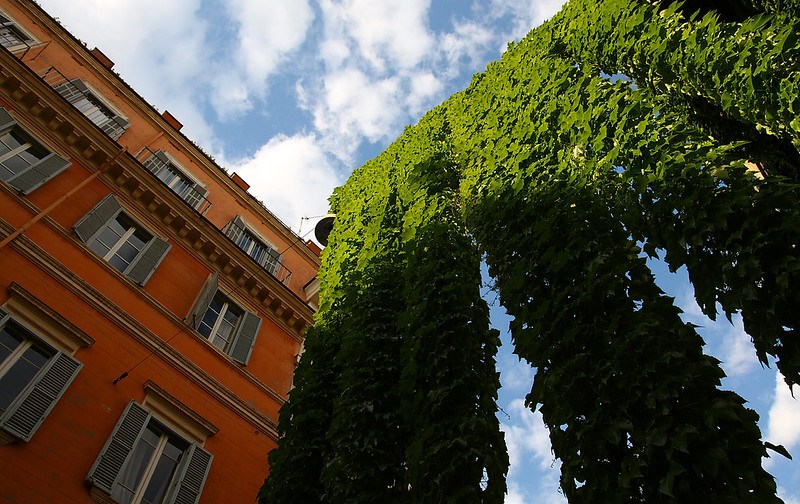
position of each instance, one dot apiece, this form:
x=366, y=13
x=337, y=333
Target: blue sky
x=293, y=95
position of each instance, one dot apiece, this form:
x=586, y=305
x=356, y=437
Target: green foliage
x=567, y=182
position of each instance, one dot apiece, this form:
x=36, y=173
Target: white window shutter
x=39, y=173
x=123, y=438
x=204, y=299
x=190, y=476
x=143, y=266
x=245, y=337
x=97, y=218
x=29, y=410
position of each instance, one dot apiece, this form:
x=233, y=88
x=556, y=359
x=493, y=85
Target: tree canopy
x=617, y=131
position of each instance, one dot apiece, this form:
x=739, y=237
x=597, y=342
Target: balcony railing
x=264, y=255
x=174, y=177
x=83, y=99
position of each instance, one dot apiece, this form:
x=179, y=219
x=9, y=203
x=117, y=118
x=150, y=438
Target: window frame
x=271, y=260
x=194, y=192
x=27, y=411
x=244, y=334
x=17, y=29
x=189, y=475
x=75, y=91
x=35, y=174
x=142, y=266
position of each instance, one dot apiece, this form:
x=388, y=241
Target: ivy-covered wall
x=565, y=180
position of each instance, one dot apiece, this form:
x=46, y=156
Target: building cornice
x=145, y=192
x=84, y=56
x=149, y=340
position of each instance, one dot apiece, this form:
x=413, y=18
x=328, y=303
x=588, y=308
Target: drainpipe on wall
x=63, y=198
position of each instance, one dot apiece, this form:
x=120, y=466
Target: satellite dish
x=323, y=228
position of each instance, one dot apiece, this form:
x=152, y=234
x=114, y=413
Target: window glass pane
x=15, y=164
x=20, y=373
x=159, y=481
x=107, y=238
x=34, y=153
x=131, y=475
x=126, y=253
x=12, y=140
x=210, y=317
x=9, y=341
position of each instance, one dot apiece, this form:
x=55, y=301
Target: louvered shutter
x=157, y=162
x=112, y=457
x=29, y=410
x=203, y=300
x=273, y=265
x=72, y=90
x=235, y=228
x=148, y=260
x=245, y=337
x=116, y=127
x=191, y=476
x=97, y=218
x=6, y=121
x=39, y=173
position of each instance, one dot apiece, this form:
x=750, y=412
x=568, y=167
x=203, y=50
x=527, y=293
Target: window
x=265, y=255
x=226, y=325
x=24, y=163
x=121, y=241
x=12, y=37
x=93, y=107
x=144, y=461
x=33, y=376
x=170, y=173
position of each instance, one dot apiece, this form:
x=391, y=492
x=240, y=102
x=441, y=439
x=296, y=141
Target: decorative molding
x=32, y=252
x=110, y=78
x=146, y=193
x=44, y=321
x=165, y=406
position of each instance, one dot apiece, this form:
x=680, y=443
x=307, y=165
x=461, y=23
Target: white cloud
x=267, y=32
x=424, y=86
x=526, y=15
x=292, y=176
x=467, y=43
x=784, y=417
x=787, y=499
x=159, y=47
x=392, y=32
x=527, y=437
x=726, y=340
x=352, y=106
x=516, y=375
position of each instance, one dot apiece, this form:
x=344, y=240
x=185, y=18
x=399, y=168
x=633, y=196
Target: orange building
x=151, y=310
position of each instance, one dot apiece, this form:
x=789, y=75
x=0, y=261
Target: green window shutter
x=6, y=121
x=203, y=300
x=245, y=337
x=190, y=476
x=39, y=173
x=97, y=218
x=148, y=260
x=29, y=410
x=112, y=457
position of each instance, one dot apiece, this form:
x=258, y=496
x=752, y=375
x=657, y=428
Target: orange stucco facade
x=132, y=337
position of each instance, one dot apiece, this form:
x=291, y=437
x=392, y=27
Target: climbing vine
x=619, y=131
